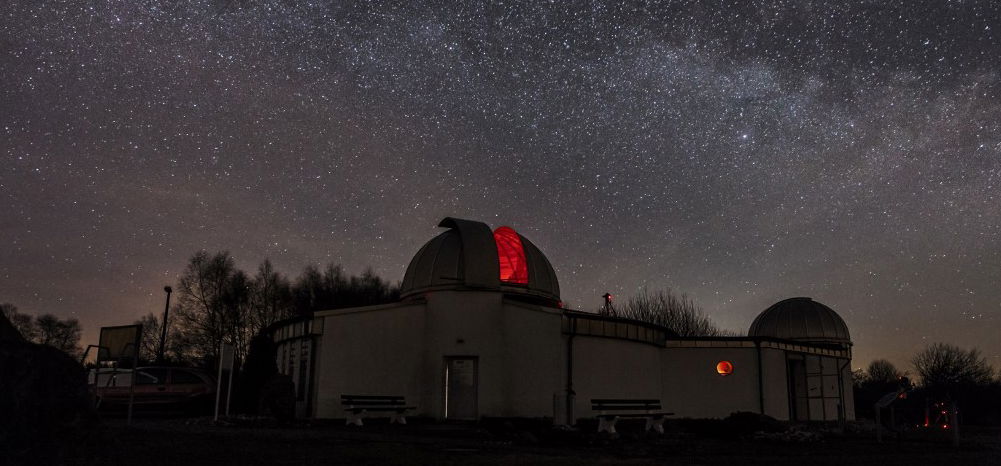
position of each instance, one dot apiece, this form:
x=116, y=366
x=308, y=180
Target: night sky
x=742, y=152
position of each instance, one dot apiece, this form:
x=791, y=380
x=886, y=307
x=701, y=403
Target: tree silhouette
x=63, y=335
x=204, y=294
x=881, y=371
x=678, y=313
x=271, y=298
x=216, y=302
x=948, y=370
x=152, y=331
x=333, y=289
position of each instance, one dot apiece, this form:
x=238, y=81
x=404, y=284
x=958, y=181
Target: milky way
x=741, y=152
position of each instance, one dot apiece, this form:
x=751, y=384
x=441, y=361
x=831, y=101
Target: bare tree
x=237, y=312
x=333, y=289
x=216, y=302
x=678, y=313
x=271, y=298
x=883, y=372
x=948, y=369
x=60, y=334
x=152, y=332
x=204, y=294
x=150, y=345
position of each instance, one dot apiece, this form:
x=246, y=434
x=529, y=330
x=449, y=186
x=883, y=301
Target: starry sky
x=739, y=151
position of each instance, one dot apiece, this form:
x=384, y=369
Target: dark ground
x=165, y=441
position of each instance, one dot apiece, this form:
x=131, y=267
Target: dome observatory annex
x=479, y=331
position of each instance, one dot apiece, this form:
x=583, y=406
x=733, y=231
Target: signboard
x=226, y=356
x=119, y=343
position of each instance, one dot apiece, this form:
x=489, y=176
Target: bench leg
x=353, y=418
x=607, y=424
x=657, y=424
x=397, y=418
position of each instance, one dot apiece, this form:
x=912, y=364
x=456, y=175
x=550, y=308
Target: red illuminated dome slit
x=511, y=256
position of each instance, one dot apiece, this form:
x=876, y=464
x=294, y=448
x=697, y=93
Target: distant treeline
x=943, y=374
x=46, y=329
x=214, y=302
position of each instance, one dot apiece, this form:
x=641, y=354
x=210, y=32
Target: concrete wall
x=401, y=350
x=614, y=368
x=534, y=361
x=775, y=382
x=373, y=350
x=693, y=388
x=518, y=347
x=849, y=391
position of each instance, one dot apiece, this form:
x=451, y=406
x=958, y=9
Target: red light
x=724, y=368
x=511, y=256
x=945, y=426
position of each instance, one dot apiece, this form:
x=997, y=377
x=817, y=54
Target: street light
x=163, y=325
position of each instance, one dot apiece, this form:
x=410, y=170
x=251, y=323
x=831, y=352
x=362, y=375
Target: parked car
x=155, y=386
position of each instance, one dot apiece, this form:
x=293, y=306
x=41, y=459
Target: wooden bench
x=356, y=406
x=611, y=410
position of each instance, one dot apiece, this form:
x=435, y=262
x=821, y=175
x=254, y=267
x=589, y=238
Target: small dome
x=470, y=256
x=801, y=319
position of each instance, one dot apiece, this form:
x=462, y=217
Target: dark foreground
x=155, y=442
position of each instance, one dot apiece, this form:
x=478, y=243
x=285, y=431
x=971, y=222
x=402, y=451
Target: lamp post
x=163, y=325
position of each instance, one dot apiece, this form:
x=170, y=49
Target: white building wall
x=464, y=324
x=518, y=347
x=534, y=361
x=372, y=350
x=693, y=387
x=849, y=390
x=614, y=368
x=775, y=382
x=400, y=349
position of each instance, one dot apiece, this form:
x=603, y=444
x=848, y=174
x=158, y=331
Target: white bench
x=610, y=410
x=357, y=406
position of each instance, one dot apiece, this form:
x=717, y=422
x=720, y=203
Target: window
x=152, y=377
x=511, y=256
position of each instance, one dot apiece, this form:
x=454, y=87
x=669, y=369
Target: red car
x=157, y=386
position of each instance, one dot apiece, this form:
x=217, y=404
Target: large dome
x=470, y=256
x=801, y=319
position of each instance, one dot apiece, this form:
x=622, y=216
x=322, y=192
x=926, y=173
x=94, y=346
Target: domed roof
x=469, y=256
x=801, y=319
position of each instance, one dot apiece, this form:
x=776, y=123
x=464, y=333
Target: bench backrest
x=619, y=404
x=372, y=400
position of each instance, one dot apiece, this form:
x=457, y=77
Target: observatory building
x=480, y=331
